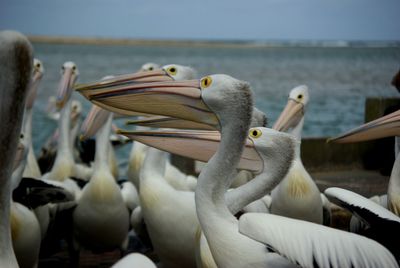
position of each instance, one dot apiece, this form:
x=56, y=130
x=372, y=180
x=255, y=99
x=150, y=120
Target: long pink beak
x=65, y=87
x=198, y=145
x=290, y=116
x=93, y=122
x=385, y=126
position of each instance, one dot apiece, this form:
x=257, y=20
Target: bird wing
x=33, y=193
x=365, y=209
x=313, y=245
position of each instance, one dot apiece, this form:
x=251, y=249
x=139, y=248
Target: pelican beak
x=106, y=84
x=168, y=122
x=199, y=145
x=290, y=116
x=93, y=122
x=180, y=99
x=386, y=126
x=19, y=155
x=36, y=78
x=64, y=89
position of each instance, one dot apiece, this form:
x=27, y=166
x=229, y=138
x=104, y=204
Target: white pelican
x=64, y=165
x=149, y=66
x=97, y=118
x=297, y=196
x=173, y=239
x=256, y=240
x=32, y=168
x=101, y=218
x=16, y=62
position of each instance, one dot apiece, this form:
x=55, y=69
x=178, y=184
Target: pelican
x=297, y=196
x=32, y=168
x=16, y=58
x=49, y=150
x=101, y=218
x=149, y=66
x=256, y=240
x=64, y=165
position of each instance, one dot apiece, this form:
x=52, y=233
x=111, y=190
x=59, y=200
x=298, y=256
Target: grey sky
x=223, y=19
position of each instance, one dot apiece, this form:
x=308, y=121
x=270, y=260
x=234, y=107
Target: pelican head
x=272, y=144
x=294, y=110
x=386, y=126
x=169, y=72
x=69, y=74
x=150, y=66
x=172, y=72
x=37, y=74
x=194, y=100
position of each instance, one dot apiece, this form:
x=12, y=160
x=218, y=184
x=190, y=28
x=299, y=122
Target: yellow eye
x=172, y=70
x=206, y=82
x=255, y=133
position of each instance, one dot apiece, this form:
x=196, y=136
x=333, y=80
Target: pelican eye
x=38, y=65
x=150, y=68
x=206, y=82
x=74, y=68
x=63, y=67
x=21, y=136
x=255, y=133
x=300, y=96
x=172, y=70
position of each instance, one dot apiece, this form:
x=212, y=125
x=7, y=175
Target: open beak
x=386, y=126
x=290, y=116
x=168, y=122
x=199, y=145
x=36, y=77
x=93, y=122
x=180, y=99
x=64, y=89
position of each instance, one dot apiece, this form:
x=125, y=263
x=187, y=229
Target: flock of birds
x=275, y=216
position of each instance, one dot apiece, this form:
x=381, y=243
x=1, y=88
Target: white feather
x=310, y=244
